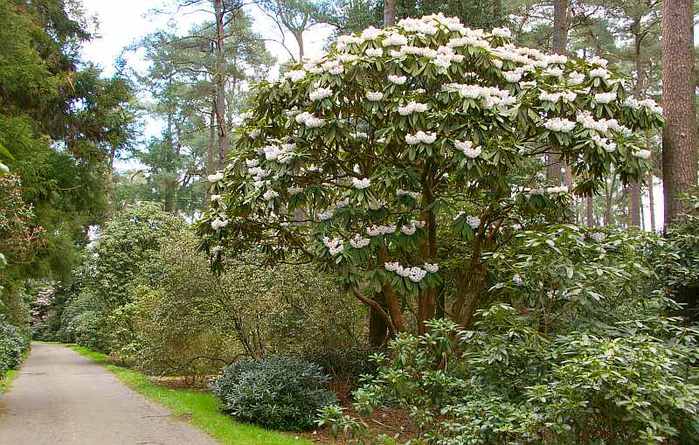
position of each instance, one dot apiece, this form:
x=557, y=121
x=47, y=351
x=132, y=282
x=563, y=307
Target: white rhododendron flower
x=398, y=80
x=219, y=223
x=605, y=98
x=512, y=76
x=270, y=195
x=518, y=280
x=295, y=75
x=414, y=195
x=359, y=242
x=374, y=52
x=412, y=107
x=431, y=268
x=600, y=73
x=642, y=154
x=334, y=245
x=420, y=137
x=576, y=78
x=374, y=96
x=395, y=39
x=473, y=221
x=320, y=94
x=309, y=120
x=361, y=184
x=468, y=149
x=215, y=177
x=371, y=33
x=605, y=143
x=502, y=32
x=559, y=125
x=598, y=236
x=326, y=215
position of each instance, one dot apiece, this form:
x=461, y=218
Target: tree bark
x=298, y=35
x=678, y=82
x=589, y=211
x=220, y=84
x=378, y=327
x=389, y=12
x=651, y=202
x=559, y=41
x=635, y=204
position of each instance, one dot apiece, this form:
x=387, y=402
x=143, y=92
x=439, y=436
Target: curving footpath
x=61, y=398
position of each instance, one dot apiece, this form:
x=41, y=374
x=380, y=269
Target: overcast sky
x=123, y=22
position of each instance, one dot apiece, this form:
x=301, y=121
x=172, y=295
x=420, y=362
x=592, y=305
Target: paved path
x=61, y=398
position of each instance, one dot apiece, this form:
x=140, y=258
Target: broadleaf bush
x=277, y=392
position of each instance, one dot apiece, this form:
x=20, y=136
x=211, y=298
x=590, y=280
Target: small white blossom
x=473, y=221
x=517, y=280
x=502, y=32
x=320, y=94
x=361, y=184
x=468, y=149
x=559, y=125
x=395, y=39
x=374, y=52
x=431, y=268
x=599, y=73
x=295, y=75
x=420, y=136
x=359, y=242
x=642, y=154
x=219, y=223
x=412, y=107
x=605, y=98
x=398, y=80
x=270, y=195
x=374, y=96
x=215, y=177
x=334, y=245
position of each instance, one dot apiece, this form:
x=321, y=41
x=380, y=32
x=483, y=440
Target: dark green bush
x=12, y=345
x=276, y=392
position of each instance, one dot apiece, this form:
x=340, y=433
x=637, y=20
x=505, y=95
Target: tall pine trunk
x=678, y=79
x=559, y=41
x=220, y=84
x=389, y=12
x=651, y=202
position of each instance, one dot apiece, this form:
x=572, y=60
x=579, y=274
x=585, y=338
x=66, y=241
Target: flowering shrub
x=505, y=382
x=276, y=392
x=12, y=346
x=366, y=159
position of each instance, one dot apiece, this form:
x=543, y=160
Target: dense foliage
x=504, y=382
x=12, y=345
x=418, y=138
x=276, y=392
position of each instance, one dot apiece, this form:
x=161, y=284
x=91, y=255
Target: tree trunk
x=298, y=35
x=220, y=84
x=559, y=41
x=635, y=204
x=378, y=328
x=389, y=12
x=590, y=216
x=678, y=82
x=470, y=284
x=651, y=202
x=427, y=299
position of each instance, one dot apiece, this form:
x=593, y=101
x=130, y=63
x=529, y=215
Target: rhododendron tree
x=403, y=148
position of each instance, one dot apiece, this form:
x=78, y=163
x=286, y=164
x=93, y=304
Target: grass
x=6, y=381
x=201, y=408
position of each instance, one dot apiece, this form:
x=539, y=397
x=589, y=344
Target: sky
x=123, y=22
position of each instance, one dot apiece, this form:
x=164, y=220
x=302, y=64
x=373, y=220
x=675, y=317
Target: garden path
x=61, y=398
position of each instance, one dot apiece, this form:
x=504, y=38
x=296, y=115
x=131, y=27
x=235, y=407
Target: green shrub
x=506, y=382
x=276, y=392
x=12, y=346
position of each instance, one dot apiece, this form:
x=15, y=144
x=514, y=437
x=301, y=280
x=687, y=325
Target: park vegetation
x=439, y=221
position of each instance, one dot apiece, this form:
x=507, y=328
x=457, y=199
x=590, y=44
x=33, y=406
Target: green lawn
x=6, y=380
x=200, y=407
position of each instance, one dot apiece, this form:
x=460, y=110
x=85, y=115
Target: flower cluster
x=412, y=107
x=414, y=274
x=309, y=120
x=559, y=125
x=468, y=149
x=334, y=245
x=420, y=137
x=320, y=94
